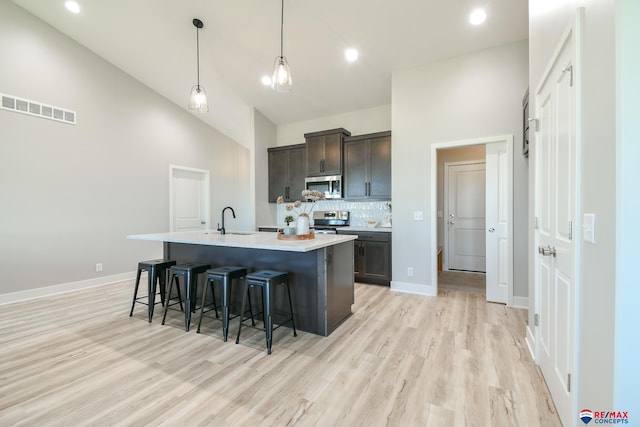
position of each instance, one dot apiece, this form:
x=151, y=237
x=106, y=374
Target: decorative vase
x=303, y=224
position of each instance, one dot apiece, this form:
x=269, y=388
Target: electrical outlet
x=410, y=271
x=99, y=267
x=418, y=216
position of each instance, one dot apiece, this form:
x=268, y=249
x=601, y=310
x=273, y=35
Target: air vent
x=37, y=109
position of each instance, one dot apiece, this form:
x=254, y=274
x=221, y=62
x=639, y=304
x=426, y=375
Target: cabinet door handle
x=286, y=192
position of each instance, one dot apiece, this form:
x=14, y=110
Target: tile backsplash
x=360, y=212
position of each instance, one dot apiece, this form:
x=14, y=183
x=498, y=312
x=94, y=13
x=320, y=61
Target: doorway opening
x=471, y=221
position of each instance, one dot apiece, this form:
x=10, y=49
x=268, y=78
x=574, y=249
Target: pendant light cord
x=198, y=54
x=282, y=30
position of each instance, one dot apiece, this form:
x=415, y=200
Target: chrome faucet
x=221, y=229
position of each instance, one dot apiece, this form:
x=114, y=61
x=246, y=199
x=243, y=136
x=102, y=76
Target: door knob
x=491, y=230
x=548, y=251
x=203, y=222
x=452, y=222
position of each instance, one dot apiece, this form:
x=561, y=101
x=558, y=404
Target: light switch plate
x=589, y=228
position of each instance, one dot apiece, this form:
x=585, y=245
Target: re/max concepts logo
x=604, y=417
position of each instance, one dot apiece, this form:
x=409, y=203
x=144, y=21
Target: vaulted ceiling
x=154, y=41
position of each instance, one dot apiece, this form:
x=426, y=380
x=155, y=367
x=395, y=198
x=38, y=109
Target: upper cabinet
x=324, y=152
x=286, y=172
x=367, y=166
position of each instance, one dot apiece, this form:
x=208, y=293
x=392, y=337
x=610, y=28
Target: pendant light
x=198, y=98
x=281, y=80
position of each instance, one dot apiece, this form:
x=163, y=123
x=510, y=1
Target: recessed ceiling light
x=266, y=80
x=477, y=17
x=72, y=6
x=351, y=55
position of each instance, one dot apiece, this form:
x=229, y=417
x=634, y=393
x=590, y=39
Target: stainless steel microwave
x=330, y=186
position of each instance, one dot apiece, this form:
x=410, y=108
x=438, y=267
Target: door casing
x=508, y=140
x=203, y=176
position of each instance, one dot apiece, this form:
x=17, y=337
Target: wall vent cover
x=37, y=109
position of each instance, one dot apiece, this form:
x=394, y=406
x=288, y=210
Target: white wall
x=265, y=138
x=472, y=96
x=627, y=346
x=358, y=122
x=70, y=194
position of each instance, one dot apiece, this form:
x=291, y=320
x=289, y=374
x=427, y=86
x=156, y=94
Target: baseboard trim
x=520, y=302
x=48, y=291
x=414, y=288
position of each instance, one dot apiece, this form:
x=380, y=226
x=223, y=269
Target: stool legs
x=189, y=272
x=268, y=320
x=204, y=298
x=267, y=312
x=135, y=291
x=245, y=291
x=168, y=297
x=151, y=289
x=154, y=275
x=226, y=280
x=226, y=288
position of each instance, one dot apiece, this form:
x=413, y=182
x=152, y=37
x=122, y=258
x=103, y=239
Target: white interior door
x=189, y=199
x=497, y=222
x=465, y=209
x=555, y=181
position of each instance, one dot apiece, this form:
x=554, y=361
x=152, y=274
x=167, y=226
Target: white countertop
x=251, y=239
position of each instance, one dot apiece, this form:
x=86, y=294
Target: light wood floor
x=462, y=281
x=400, y=360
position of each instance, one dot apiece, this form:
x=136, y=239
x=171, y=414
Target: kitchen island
x=320, y=269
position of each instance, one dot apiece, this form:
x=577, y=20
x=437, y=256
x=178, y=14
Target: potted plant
x=289, y=230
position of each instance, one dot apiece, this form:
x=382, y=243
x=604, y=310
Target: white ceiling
x=154, y=41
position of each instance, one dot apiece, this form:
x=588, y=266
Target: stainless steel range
x=327, y=222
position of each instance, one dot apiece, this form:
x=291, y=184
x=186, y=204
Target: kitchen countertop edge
x=254, y=240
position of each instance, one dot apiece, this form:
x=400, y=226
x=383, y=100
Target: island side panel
x=302, y=268
x=339, y=283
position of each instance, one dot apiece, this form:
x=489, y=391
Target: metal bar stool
x=267, y=280
x=157, y=272
x=224, y=276
x=189, y=272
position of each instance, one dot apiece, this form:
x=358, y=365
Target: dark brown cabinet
x=372, y=256
x=367, y=166
x=286, y=172
x=324, y=152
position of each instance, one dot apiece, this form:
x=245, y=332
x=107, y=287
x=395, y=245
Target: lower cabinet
x=372, y=256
